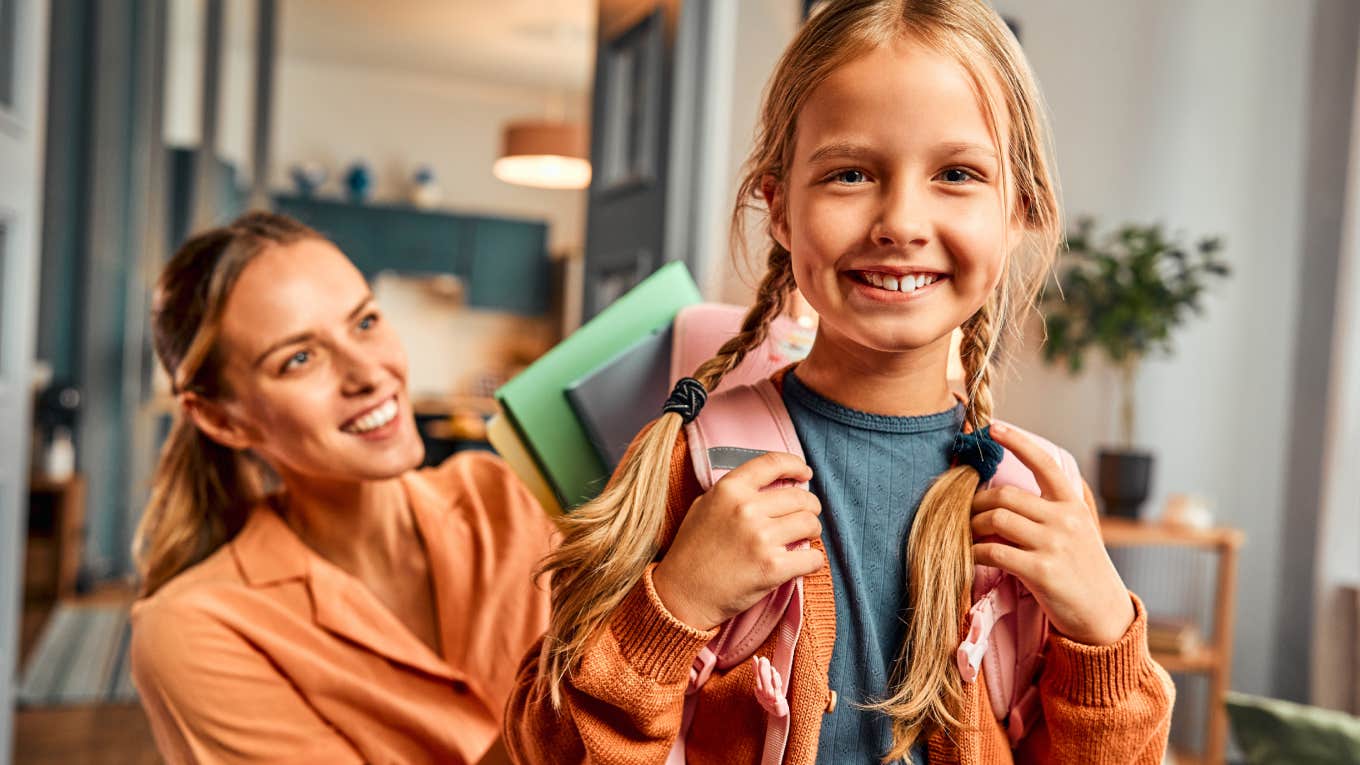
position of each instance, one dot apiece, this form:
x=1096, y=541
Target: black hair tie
x=979, y=451
x=687, y=399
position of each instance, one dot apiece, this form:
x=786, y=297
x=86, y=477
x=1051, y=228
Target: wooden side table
x=1215, y=657
x=56, y=537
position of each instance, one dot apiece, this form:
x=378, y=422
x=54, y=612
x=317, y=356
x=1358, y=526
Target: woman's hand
x=1052, y=543
x=732, y=547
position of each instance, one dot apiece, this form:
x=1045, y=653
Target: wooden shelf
x=1122, y=532
x=1203, y=660
x=1214, y=659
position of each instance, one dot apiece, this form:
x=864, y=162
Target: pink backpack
x=1007, y=628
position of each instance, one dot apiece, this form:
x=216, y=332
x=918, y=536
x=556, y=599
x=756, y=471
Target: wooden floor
x=101, y=734
x=97, y=734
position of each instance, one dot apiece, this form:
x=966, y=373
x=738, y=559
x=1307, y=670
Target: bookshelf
x=1214, y=657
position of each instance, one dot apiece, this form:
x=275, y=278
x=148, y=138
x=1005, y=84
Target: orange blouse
x=266, y=652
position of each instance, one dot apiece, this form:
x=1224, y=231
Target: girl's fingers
x=1010, y=526
x=1047, y=470
x=795, y=527
x=1006, y=557
x=1013, y=498
x=776, y=503
x=759, y=472
x=803, y=561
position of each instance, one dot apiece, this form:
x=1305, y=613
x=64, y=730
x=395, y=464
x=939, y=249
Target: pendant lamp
x=548, y=155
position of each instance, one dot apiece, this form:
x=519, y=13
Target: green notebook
x=536, y=402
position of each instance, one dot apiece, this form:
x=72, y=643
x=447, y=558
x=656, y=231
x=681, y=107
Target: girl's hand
x=1052, y=543
x=732, y=547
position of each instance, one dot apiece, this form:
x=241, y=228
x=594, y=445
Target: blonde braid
x=928, y=691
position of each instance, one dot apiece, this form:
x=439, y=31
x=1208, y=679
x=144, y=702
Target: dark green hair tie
x=979, y=451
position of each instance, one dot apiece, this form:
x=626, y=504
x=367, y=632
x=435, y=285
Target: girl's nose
x=901, y=220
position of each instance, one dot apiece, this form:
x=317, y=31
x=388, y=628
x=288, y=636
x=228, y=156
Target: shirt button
x=831, y=702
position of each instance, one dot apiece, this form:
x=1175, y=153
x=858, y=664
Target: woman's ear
x=775, y=201
x=216, y=422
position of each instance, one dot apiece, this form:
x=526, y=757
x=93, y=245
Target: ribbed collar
x=950, y=419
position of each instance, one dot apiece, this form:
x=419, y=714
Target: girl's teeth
x=908, y=283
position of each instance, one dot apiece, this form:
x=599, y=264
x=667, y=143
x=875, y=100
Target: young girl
x=361, y=611
x=903, y=164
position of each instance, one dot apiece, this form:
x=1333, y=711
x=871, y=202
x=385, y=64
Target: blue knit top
x=870, y=472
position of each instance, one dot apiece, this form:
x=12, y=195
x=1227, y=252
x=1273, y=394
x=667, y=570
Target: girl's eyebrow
x=848, y=150
x=842, y=150
x=955, y=148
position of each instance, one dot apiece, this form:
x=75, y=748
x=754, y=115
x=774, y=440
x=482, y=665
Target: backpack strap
x=736, y=425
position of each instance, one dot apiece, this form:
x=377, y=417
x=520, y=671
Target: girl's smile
x=895, y=285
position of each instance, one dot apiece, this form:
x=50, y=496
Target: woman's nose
x=360, y=371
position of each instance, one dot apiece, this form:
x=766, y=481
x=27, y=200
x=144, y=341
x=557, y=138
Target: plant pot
x=1123, y=479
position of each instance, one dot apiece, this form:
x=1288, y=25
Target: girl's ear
x=216, y=422
x=775, y=202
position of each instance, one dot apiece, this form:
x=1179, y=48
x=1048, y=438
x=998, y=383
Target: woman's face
x=316, y=378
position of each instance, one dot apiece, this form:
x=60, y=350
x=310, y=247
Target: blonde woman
x=360, y=610
x=903, y=166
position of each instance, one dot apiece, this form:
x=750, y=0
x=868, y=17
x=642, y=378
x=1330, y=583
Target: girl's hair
x=202, y=490
x=609, y=542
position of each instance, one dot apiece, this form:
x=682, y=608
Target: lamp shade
x=549, y=155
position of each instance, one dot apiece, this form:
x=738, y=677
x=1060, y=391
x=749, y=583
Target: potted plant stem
x=1123, y=292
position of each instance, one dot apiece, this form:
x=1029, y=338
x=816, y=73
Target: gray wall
x=1336, y=39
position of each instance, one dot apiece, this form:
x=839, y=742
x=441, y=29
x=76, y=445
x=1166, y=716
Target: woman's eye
x=957, y=175
x=368, y=321
x=850, y=176
x=296, y=360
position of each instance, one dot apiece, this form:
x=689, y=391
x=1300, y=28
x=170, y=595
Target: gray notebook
x=616, y=400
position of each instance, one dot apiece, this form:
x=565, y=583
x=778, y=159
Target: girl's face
x=316, y=377
x=892, y=207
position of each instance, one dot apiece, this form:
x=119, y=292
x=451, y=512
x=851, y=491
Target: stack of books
x=1180, y=637
x=565, y=422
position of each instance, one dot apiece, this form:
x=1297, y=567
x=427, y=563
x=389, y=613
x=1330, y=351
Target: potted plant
x=1123, y=292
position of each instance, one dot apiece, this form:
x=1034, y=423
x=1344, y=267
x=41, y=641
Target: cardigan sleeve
x=1102, y=704
x=624, y=703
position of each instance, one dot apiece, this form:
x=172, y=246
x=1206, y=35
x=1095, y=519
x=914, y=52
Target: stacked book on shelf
x=565, y=422
x=1180, y=637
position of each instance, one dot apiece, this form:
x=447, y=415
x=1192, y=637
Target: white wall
x=396, y=120
x=1193, y=114
x=764, y=29
x=1336, y=636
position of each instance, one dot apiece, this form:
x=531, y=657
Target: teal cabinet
x=510, y=268
x=503, y=261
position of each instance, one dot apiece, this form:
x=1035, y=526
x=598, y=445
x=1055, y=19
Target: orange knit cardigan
x=1102, y=705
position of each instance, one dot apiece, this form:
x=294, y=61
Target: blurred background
x=414, y=133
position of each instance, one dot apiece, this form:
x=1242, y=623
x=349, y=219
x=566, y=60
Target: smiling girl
x=903, y=166
x=309, y=595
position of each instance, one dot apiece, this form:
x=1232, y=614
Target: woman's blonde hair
x=202, y=490
x=609, y=542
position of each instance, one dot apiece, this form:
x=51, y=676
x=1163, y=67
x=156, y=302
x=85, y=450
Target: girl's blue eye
x=957, y=175
x=850, y=176
x=297, y=359
x=368, y=321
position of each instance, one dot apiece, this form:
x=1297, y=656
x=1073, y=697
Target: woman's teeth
x=906, y=283
x=380, y=416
